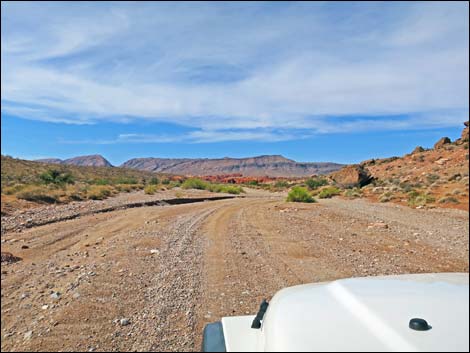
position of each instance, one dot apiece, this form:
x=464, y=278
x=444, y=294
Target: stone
x=378, y=225
x=124, y=322
x=355, y=175
x=9, y=258
x=28, y=335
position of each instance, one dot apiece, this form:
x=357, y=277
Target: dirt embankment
x=149, y=278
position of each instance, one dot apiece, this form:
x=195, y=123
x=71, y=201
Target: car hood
x=366, y=314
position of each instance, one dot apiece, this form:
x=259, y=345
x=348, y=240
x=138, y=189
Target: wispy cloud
x=252, y=68
x=198, y=136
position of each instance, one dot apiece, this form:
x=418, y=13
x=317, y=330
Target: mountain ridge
x=263, y=165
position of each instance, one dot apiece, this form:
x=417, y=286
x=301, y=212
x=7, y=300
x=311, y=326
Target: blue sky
x=320, y=81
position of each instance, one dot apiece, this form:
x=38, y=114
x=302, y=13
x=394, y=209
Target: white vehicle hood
x=361, y=314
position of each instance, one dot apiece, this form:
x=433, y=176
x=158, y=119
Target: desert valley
x=96, y=257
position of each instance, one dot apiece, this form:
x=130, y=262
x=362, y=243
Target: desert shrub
x=150, y=189
x=154, y=181
x=386, y=197
x=194, y=183
x=455, y=177
x=432, y=178
x=395, y=181
x=281, y=184
x=329, y=192
x=353, y=193
x=406, y=187
x=253, y=183
x=99, y=192
x=166, y=181
x=448, y=199
x=11, y=190
x=136, y=186
x=75, y=193
x=299, y=194
x=39, y=194
x=172, y=184
x=314, y=183
x=100, y=182
x=123, y=187
x=54, y=176
x=231, y=189
x=126, y=180
x=416, y=198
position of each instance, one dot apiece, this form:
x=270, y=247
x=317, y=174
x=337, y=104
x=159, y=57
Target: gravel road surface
x=150, y=278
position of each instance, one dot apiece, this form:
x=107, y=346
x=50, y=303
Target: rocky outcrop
x=442, y=142
x=352, y=176
x=418, y=149
x=465, y=132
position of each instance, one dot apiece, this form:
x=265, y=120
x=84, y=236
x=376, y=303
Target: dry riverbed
x=149, y=278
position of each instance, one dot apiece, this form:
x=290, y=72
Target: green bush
x=314, y=183
x=416, y=198
x=124, y=180
x=253, y=182
x=299, y=194
x=231, y=189
x=101, y=182
x=329, y=192
x=194, y=183
x=54, y=176
x=281, y=184
x=154, y=181
x=166, y=181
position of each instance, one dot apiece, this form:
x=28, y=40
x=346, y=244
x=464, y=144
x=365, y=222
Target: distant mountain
x=94, y=160
x=275, y=166
x=50, y=160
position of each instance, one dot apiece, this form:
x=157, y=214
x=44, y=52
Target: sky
x=313, y=81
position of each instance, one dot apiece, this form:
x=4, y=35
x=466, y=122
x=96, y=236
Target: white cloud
x=251, y=67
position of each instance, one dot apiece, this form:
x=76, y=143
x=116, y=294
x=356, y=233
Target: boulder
x=352, y=176
x=443, y=141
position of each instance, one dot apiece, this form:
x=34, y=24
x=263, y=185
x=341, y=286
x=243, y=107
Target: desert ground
x=150, y=277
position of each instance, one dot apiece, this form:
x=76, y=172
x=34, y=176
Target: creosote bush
x=329, y=192
x=314, y=183
x=150, y=189
x=299, y=194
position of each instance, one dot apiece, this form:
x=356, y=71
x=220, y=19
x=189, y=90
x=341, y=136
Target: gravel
x=169, y=271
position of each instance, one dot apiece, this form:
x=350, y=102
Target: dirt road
x=149, y=278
